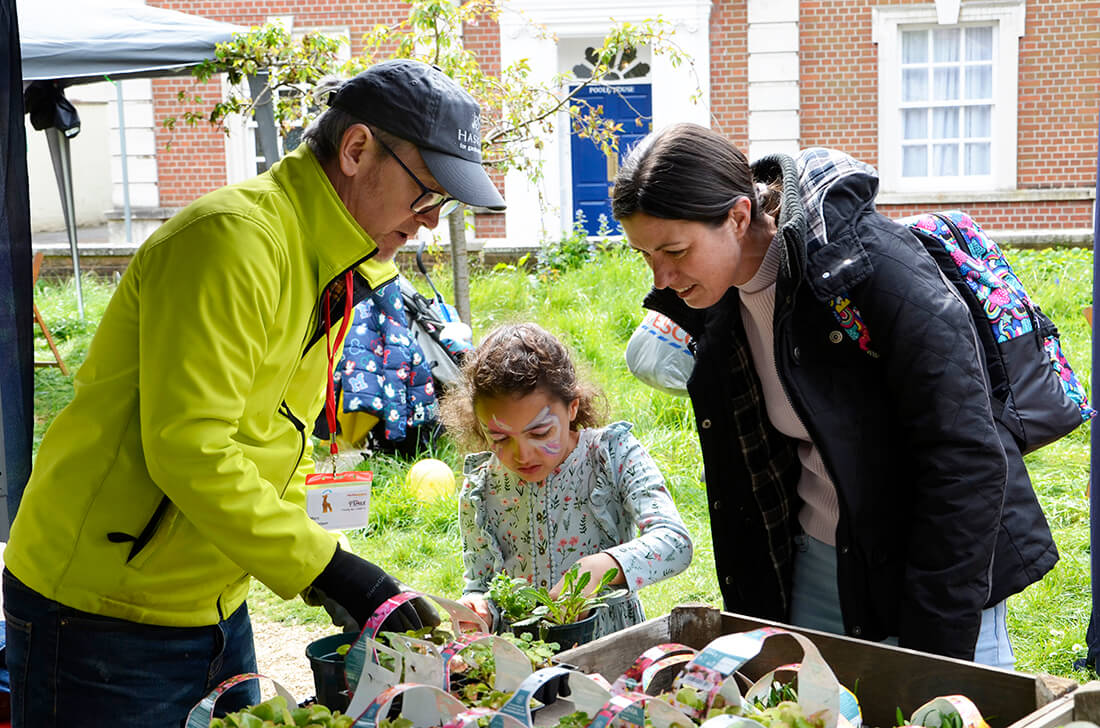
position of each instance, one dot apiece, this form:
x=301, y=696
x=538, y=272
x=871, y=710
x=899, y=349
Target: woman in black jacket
x=857, y=480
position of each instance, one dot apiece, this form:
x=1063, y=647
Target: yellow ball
x=431, y=479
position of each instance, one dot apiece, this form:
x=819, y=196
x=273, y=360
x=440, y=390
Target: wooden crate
x=1083, y=704
x=883, y=677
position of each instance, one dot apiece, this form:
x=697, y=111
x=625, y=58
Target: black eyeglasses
x=429, y=199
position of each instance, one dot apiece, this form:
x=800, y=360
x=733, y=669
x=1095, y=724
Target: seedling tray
x=883, y=677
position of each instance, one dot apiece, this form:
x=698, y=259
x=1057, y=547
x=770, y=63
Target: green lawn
x=594, y=309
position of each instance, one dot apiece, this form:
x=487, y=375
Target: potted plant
x=326, y=659
x=569, y=619
x=511, y=599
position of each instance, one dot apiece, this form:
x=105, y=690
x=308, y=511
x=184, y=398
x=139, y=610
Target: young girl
x=555, y=489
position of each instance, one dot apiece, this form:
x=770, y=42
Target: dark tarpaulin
x=1092, y=637
x=16, y=301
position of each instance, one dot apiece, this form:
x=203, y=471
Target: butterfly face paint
x=546, y=422
x=529, y=434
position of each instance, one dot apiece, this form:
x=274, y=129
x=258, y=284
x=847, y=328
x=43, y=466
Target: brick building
x=988, y=105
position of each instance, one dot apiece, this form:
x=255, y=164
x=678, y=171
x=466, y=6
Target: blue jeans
x=74, y=668
x=815, y=604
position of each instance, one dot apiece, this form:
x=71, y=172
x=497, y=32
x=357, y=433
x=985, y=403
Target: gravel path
x=281, y=653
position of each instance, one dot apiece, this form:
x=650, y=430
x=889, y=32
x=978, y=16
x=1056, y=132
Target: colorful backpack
x=1036, y=395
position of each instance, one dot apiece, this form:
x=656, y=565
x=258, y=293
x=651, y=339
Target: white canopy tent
x=70, y=42
x=77, y=42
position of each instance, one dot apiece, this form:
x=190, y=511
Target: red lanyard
x=330, y=389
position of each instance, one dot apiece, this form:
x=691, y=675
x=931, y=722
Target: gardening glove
x=340, y=617
x=352, y=588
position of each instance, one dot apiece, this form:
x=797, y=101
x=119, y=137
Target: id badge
x=339, y=501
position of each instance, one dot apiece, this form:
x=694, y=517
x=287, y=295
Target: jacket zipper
x=139, y=542
x=284, y=410
x=318, y=330
x=814, y=435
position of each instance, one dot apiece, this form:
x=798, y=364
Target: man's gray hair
x=325, y=132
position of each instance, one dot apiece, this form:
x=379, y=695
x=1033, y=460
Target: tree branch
x=553, y=110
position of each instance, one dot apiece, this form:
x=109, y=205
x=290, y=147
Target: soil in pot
x=328, y=670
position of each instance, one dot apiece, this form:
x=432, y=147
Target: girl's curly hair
x=515, y=360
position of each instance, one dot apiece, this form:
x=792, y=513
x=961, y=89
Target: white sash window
x=947, y=96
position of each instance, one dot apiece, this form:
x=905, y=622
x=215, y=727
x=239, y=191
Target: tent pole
x=63, y=171
x=125, y=172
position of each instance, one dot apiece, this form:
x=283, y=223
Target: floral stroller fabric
x=383, y=371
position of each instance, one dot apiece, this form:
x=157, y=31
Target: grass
x=594, y=309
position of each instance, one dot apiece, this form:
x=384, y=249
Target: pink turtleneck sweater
x=819, y=512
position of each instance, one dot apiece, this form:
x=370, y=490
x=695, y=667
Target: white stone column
x=524, y=221
x=773, y=77
x=141, y=162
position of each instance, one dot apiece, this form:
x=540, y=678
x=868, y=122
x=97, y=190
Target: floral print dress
x=607, y=495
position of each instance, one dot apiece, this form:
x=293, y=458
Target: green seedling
x=274, y=712
x=511, y=597
x=578, y=719
x=787, y=715
x=778, y=693
x=571, y=604
x=540, y=653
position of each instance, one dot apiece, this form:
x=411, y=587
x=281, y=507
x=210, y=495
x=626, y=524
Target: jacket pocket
x=155, y=533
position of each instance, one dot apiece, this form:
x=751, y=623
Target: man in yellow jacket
x=177, y=472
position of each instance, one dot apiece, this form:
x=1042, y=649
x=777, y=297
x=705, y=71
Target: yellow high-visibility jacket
x=178, y=468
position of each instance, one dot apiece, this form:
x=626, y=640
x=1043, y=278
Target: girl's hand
x=480, y=606
x=597, y=565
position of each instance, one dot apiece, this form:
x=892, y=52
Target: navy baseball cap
x=421, y=104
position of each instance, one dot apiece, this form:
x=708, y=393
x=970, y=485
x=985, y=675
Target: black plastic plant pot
x=328, y=670
x=554, y=688
x=569, y=636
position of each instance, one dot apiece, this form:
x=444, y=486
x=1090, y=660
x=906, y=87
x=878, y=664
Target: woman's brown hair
x=688, y=172
x=515, y=360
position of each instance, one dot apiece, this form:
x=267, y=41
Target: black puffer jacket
x=938, y=519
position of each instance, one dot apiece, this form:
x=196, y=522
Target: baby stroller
x=436, y=327
x=402, y=351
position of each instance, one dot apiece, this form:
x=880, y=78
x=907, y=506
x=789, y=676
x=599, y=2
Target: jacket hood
x=824, y=192
x=834, y=187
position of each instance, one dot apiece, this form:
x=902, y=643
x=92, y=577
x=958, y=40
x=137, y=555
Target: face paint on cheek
x=495, y=446
x=551, y=444
x=551, y=448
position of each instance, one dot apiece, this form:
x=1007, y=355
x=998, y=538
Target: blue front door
x=593, y=173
